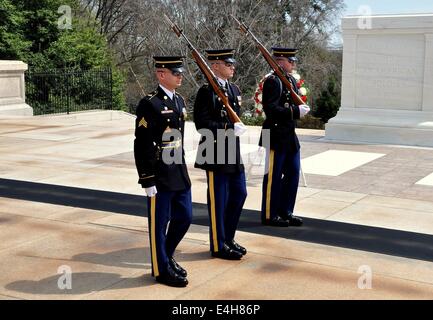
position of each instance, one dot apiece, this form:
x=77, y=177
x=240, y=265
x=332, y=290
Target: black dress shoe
x=177, y=268
x=172, y=279
x=227, y=253
x=276, y=222
x=235, y=246
x=295, y=221
x=284, y=216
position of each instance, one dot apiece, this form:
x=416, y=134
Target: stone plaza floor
x=69, y=200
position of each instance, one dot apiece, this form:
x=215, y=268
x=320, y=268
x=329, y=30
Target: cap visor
x=178, y=69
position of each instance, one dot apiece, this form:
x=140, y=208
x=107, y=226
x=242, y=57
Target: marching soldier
x=159, y=157
x=280, y=183
x=225, y=174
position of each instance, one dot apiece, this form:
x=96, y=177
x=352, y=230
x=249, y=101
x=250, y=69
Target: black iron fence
x=64, y=91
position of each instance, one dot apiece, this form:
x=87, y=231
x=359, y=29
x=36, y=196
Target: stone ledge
x=16, y=110
x=409, y=21
x=7, y=66
x=378, y=134
x=12, y=93
x=384, y=117
x=91, y=115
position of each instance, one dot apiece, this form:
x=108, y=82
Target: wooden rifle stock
x=272, y=63
x=208, y=73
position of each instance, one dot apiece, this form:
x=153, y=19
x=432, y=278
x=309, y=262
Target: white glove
x=303, y=110
x=240, y=129
x=151, y=191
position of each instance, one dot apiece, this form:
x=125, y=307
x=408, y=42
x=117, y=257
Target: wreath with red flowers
x=300, y=83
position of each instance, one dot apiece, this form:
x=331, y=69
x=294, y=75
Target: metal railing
x=64, y=91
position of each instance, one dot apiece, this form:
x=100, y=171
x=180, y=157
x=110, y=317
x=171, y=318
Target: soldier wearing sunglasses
x=224, y=169
x=280, y=183
x=159, y=131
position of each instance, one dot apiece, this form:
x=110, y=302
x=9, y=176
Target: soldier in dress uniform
x=280, y=183
x=221, y=157
x=159, y=157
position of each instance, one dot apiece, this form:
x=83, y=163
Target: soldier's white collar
x=167, y=92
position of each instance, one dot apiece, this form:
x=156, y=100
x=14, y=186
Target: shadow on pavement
x=373, y=239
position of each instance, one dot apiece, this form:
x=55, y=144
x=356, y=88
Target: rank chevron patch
x=142, y=123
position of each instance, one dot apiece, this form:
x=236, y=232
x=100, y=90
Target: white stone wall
x=387, y=84
x=12, y=89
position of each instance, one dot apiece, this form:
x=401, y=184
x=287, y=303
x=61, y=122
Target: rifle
x=272, y=63
x=208, y=73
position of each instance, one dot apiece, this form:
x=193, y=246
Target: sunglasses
x=227, y=64
x=174, y=73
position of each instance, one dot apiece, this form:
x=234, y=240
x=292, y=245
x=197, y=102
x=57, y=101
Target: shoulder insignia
x=142, y=122
x=152, y=94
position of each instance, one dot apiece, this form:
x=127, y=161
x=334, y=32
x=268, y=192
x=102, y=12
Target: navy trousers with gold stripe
x=226, y=196
x=280, y=183
x=167, y=206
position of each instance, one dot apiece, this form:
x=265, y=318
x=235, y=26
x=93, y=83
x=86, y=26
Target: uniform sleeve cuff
x=147, y=181
x=296, y=112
